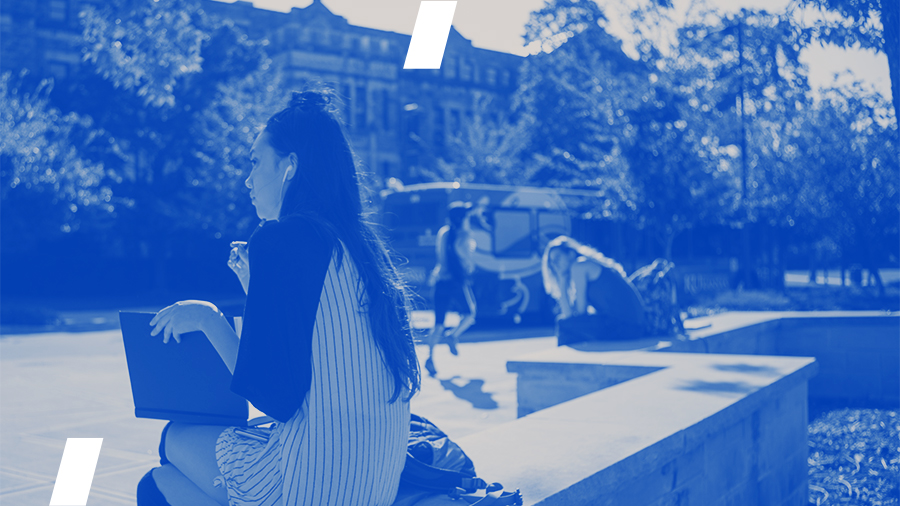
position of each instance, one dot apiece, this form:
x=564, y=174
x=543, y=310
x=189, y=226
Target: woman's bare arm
x=582, y=273
x=223, y=338
x=465, y=246
x=198, y=315
x=563, y=279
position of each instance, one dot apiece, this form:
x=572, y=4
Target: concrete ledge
x=858, y=351
x=685, y=426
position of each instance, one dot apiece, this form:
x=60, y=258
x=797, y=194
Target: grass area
x=813, y=298
x=854, y=458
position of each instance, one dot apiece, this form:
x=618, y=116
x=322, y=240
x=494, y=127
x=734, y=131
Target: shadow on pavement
x=720, y=387
x=470, y=392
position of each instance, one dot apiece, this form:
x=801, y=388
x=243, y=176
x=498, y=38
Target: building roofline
x=320, y=5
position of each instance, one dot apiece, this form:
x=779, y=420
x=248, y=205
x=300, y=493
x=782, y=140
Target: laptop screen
x=183, y=382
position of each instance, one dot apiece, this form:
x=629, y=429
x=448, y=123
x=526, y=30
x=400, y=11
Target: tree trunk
x=874, y=273
x=668, y=241
x=890, y=20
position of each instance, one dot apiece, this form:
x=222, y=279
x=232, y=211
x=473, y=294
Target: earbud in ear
x=289, y=173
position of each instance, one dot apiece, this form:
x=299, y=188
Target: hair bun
x=309, y=101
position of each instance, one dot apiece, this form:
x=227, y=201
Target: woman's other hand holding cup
x=239, y=262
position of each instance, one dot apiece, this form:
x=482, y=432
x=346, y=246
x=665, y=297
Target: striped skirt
x=346, y=445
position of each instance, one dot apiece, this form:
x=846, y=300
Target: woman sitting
x=596, y=300
x=325, y=347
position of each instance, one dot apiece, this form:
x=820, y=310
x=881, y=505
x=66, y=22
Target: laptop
x=183, y=382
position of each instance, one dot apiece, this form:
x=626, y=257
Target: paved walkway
x=59, y=385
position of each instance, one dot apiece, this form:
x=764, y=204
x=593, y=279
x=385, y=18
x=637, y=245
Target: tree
x=47, y=174
x=638, y=129
x=163, y=74
x=860, y=26
x=745, y=72
x=675, y=168
x=172, y=85
x=575, y=94
x=488, y=149
x=851, y=141
x=170, y=99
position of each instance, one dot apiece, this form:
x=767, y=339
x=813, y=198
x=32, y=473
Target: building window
x=361, y=102
x=58, y=10
x=476, y=71
x=504, y=78
x=439, y=131
x=465, y=70
x=413, y=124
x=449, y=67
x=385, y=106
x=385, y=46
x=491, y=76
x=377, y=107
x=292, y=36
x=455, y=124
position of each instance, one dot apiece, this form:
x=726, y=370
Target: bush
x=854, y=459
x=816, y=298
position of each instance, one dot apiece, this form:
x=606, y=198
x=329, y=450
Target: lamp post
x=746, y=277
x=740, y=44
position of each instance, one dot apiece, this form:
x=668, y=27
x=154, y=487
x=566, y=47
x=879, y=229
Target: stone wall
x=685, y=429
x=721, y=422
x=858, y=352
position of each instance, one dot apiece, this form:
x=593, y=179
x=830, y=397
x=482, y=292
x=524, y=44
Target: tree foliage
x=746, y=73
x=719, y=129
x=145, y=46
x=851, y=144
x=47, y=174
x=488, y=148
x=871, y=24
x=576, y=93
x=182, y=93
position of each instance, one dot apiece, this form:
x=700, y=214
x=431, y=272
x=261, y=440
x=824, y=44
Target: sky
x=500, y=25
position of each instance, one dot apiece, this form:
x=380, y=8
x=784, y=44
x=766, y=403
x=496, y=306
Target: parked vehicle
x=511, y=226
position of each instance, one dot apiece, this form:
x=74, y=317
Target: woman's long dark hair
x=327, y=188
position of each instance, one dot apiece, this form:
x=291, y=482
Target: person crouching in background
x=596, y=300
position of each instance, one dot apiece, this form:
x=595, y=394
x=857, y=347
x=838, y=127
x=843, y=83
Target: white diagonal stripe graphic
x=429, y=38
x=76, y=472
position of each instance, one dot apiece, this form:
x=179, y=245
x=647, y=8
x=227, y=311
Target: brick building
x=399, y=120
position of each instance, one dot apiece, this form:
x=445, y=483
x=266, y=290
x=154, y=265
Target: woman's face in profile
x=560, y=259
x=267, y=178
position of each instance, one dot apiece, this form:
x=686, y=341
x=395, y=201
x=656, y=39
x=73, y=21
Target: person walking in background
x=325, y=347
x=452, y=279
x=595, y=298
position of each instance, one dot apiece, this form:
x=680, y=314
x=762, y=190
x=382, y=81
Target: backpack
x=438, y=472
x=656, y=285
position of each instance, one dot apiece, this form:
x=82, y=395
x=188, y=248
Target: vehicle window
x=512, y=233
x=551, y=224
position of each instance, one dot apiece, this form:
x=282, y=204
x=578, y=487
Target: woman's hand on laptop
x=183, y=317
